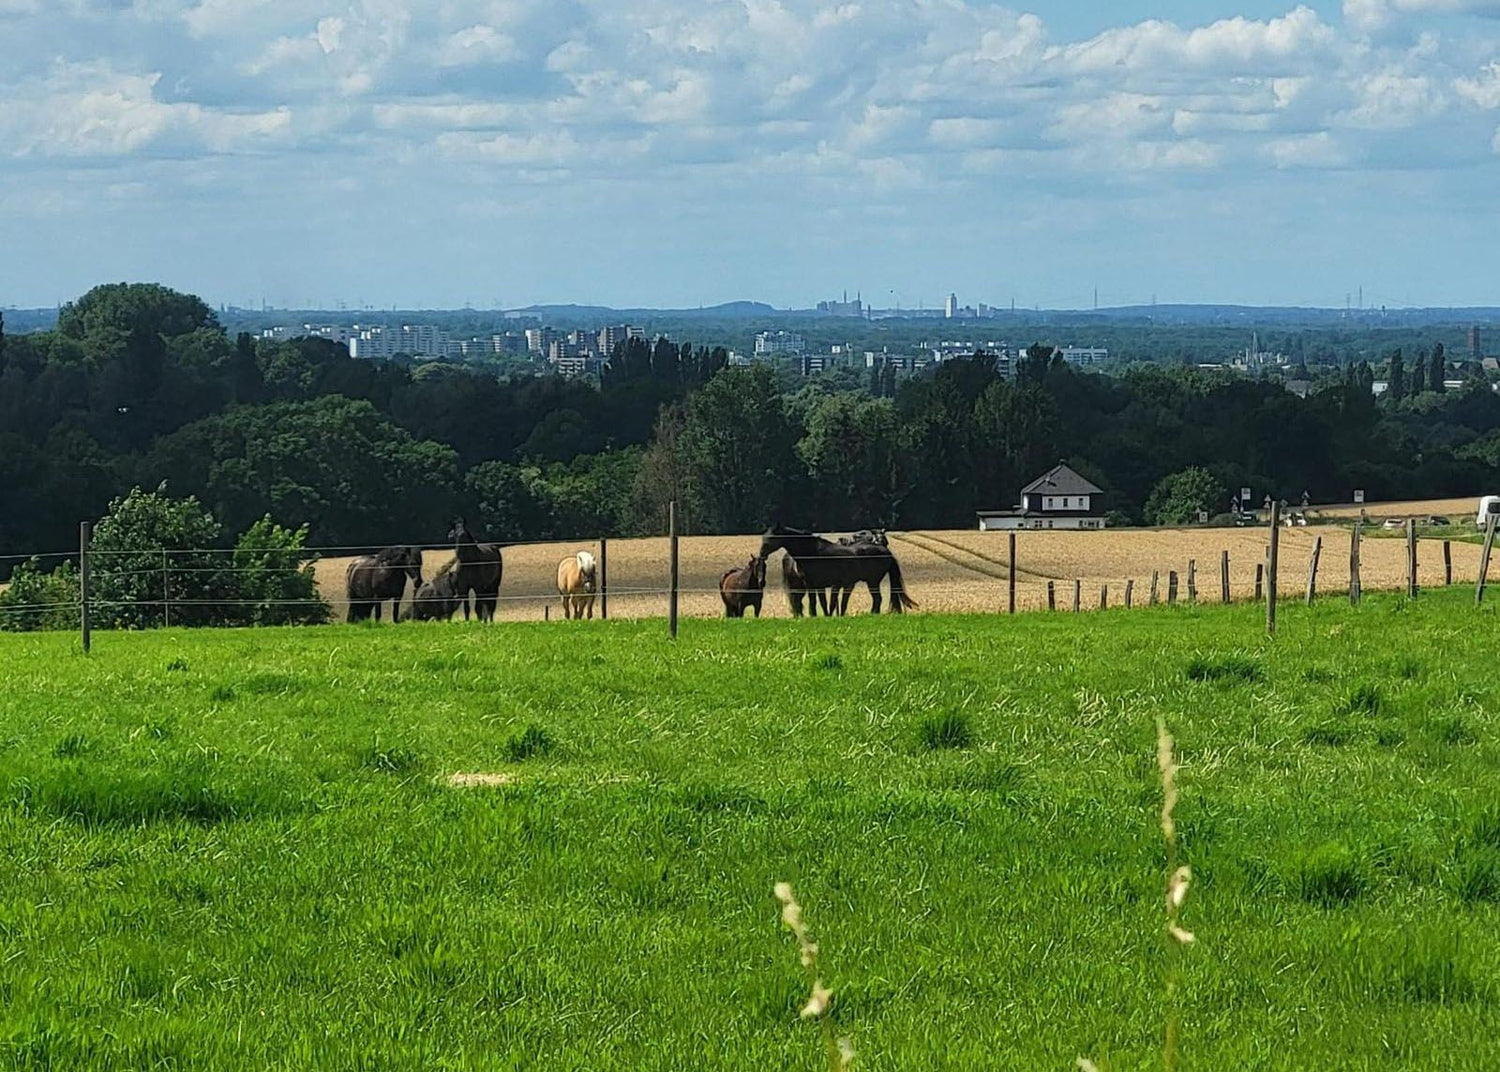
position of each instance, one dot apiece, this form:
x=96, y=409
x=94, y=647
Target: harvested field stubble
x=963, y=571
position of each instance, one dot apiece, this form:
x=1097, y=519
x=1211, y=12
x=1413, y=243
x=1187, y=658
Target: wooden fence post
x=1224, y=577
x=672, y=596
x=1077, y=595
x=1448, y=563
x=1312, y=571
x=1260, y=581
x=1484, y=557
x=1354, y=582
x=85, y=536
x=1129, y=594
x=1155, y=587
x=1411, y=558
x=1192, y=580
x=1010, y=601
x=1104, y=597
x=1171, y=587
x=546, y=612
x=1051, y=595
x=1273, y=557
x=604, y=578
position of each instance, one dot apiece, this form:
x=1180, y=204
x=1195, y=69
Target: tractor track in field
x=996, y=569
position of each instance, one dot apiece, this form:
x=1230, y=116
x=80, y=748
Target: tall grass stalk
x=840, y=1050
x=1179, y=877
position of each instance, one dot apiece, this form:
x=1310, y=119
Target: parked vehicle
x=1489, y=507
x=1437, y=519
x=1393, y=523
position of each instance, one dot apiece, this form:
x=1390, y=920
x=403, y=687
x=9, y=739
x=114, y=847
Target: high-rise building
x=781, y=342
x=950, y=307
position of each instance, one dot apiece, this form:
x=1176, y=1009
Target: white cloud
x=1483, y=90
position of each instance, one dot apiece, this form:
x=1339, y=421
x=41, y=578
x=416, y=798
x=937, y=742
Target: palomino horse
x=741, y=589
x=577, y=581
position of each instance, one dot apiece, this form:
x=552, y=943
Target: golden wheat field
x=966, y=571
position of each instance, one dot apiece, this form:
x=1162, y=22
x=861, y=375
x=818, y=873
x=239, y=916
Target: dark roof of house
x=1061, y=481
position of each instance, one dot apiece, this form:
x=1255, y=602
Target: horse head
x=782, y=537
x=757, y=571
x=460, y=533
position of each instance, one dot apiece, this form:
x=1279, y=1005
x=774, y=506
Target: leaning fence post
x=1224, y=577
x=1354, y=583
x=1484, y=557
x=1273, y=557
x=1312, y=571
x=85, y=535
x=604, y=578
x=1129, y=594
x=1411, y=558
x=1010, y=604
x=672, y=596
x=1155, y=587
x=1448, y=563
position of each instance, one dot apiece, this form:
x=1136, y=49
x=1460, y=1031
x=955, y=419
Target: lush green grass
x=239, y=850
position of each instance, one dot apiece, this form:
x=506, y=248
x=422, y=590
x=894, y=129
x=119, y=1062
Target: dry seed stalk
x=1179, y=878
x=840, y=1050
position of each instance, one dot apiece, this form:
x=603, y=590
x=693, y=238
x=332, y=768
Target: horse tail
x=900, y=601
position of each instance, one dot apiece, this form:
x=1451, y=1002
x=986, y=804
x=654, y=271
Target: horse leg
x=378, y=602
x=874, y=596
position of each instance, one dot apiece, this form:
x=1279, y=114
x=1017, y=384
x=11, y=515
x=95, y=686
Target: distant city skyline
x=677, y=153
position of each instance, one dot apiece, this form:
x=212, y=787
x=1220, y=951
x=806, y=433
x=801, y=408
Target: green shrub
x=38, y=601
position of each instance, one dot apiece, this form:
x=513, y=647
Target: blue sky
x=678, y=152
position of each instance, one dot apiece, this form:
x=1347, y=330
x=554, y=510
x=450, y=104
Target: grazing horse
x=829, y=565
x=577, y=581
x=741, y=589
x=480, y=570
x=798, y=590
x=438, y=598
x=372, y=579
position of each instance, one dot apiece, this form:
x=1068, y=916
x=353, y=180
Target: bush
x=273, y=578
x=1179, y=497
x=150, y=553
x=36, y=601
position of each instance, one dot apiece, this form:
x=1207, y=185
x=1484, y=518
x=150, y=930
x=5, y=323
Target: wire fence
x=944, y=572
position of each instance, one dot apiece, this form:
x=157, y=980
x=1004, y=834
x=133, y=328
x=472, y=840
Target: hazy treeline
x=139, y=385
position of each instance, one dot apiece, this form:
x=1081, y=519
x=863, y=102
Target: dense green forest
x=139, y=385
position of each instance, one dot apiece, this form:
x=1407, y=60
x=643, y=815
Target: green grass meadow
x=240, y=849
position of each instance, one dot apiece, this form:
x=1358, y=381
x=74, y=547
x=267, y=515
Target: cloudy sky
x=678, y=152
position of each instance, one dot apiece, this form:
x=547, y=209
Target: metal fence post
x=604, y=578
x=1273, y=558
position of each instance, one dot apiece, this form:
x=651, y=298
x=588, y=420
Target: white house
x=1060, y=499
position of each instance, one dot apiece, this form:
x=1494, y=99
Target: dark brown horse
x=480, y=570
x=741, y=589
x=436, y=600
x=799, y=591
x=372, y=579
x=827, y=565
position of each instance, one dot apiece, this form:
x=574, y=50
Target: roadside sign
x=1244, y=495
x=1359, y=496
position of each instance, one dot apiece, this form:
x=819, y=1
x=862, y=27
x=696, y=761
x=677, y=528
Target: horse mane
x=447, y=568
x=399, y=555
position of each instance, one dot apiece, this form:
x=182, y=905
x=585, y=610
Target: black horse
x=827, y=565
x=480, y=570
x=436, y=600
x=799, y=591
x=372, y=579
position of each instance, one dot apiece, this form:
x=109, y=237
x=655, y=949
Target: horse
x=480, y=570
x=372, y=579
x=437, y=599
x=798, y=590
x=829, y=565
x=577, y=581
x=741, y=589
x=865, y=536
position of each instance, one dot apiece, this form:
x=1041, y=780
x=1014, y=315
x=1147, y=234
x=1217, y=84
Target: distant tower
x=1476, y=351
x=950, y=308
